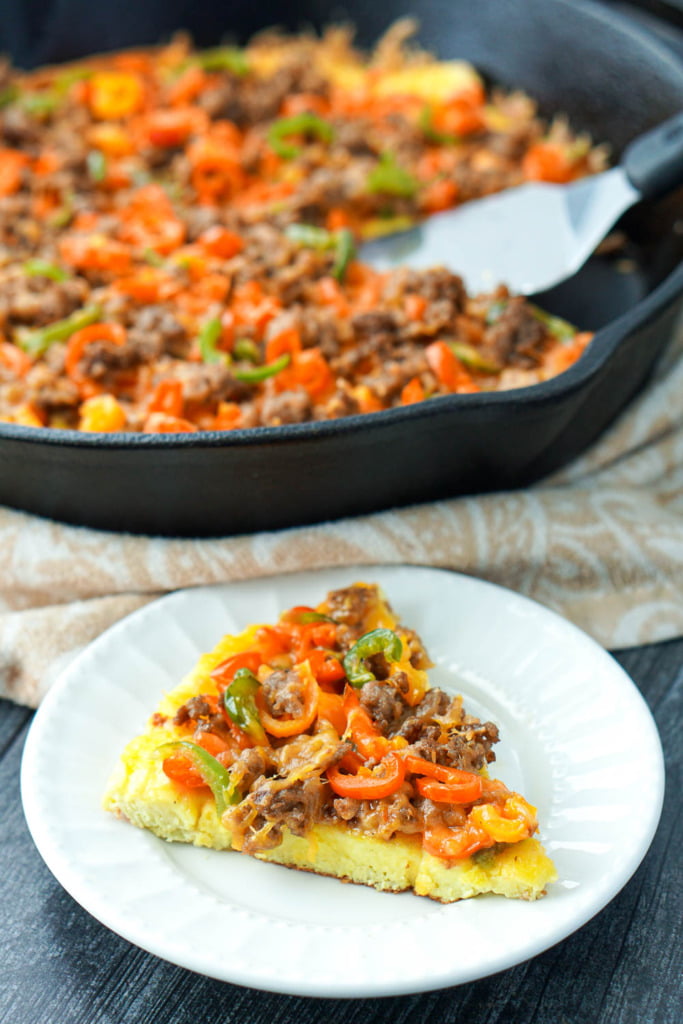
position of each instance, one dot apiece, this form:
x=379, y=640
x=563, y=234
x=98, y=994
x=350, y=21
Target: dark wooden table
x=58, y=965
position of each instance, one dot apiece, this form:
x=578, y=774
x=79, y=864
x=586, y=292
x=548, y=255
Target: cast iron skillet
x=612, y=79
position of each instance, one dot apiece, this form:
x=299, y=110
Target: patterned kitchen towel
x=601, y=542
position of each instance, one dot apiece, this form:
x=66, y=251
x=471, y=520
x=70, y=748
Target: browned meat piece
x=469, y=748
x=49, y=389
x=17, y=127
x=380, y=328
x=294, y=281
x=350, y=606
x=210, y=382
x=469, y=741
x=296, y=797
x=384, y=704
x=194, y=709
x=346, y=808
x=39, y=300
x=199, y=713
x=286, y=407
x=517, y=336
x=391, y=376
x=354, y=136
x=418, y=653
x=434, y=702
x=340, y=404
x=154, y=329
x=250, y=100
x=384, y=818
x=283, y=693
x=298, y=807
x=198, y=219
x=253, y=764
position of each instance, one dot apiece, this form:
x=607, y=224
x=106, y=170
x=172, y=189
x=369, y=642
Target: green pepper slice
x=38, y=342
x=43, y=268
x=40, y=103
x=300, y=124
x=342, y=242
x=223, y=58
x=472, y=358
x=310, y=236
x=389, y=177
x=430, y=133
x=215, y=775
x=96, y=163
x=555, y=325
x=238, y=701
x=378, y=641
x=246, y=348
x=345, y=250
x=307, y=617
x=262, y=372
x=8, y=95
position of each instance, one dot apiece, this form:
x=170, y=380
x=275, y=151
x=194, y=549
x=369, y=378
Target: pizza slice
x=318, y=743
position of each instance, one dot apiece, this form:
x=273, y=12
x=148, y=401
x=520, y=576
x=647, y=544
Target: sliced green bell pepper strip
x=389, y=177
x=214, y=774
x=223, y=58
x=43, y=268
x=238, y=701
x=341, y=242
x=259, y=373
x=558, y=327
x=299, y=124
x=38, y=342
x=246, y=348
x=209, y=334
x=378, y=641
x=345, y=250
x=310, y=236
x=96, y=163
x=472, y=358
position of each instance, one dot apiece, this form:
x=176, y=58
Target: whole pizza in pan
x=178, y=231
x=317, y=742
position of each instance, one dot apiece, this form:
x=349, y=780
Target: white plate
x=570, y=720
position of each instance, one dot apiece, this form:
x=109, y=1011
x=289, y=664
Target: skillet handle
x=654, y=161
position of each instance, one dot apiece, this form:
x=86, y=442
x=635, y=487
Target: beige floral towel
x=600, y=542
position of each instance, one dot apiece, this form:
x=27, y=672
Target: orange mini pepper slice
x=167, y=397
x=224, y=673
x=382, y=781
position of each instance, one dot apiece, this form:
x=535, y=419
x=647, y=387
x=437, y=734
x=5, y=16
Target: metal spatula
x=534, y=236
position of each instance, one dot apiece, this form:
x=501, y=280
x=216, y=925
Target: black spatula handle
x=654, y=161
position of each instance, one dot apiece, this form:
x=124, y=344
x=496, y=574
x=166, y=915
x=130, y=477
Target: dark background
x=42, y=31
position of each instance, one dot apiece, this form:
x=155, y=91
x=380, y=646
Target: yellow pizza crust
x=141, y=793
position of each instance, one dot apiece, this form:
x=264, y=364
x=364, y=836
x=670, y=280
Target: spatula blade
x=529, y=238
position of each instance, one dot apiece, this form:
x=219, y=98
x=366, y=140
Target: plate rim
x=87, y=896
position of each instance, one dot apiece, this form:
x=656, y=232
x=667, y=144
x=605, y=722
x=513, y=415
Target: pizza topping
x=317, y=720
x=378, y=641
x=296, y=694
x=369, y=784
x=182, y=757
x=239, y=701
x=444, y=785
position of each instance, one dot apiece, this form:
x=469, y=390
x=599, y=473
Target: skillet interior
x=613, y=81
